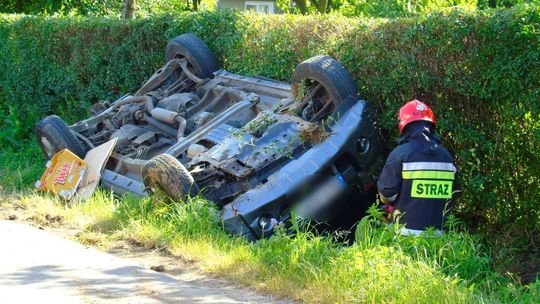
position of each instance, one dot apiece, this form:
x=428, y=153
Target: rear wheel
x=320, y=84
x=201, y=61
x=53, y=135
x=166, y=173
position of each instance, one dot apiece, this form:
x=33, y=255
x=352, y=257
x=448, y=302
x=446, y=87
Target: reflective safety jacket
x=419, y=177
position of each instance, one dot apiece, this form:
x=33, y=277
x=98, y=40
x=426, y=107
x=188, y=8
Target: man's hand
x=386, y=207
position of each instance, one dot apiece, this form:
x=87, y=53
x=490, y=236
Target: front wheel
x=53, y=135
x=320, y=84
x=166, y=173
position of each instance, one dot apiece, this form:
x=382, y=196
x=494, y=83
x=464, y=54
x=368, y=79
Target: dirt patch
x=54, y=218
x=151, y=256
x=161, y=260
x=135, y=243
x=46, y=219
x=528, y=269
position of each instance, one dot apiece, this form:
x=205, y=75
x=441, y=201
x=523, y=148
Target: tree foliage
x=63, y=7
x=390, y=8
x=100, y=8
x=143, y=8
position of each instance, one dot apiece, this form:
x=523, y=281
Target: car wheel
x=320, y=84
x=201, y=61
x=53, y=135
x=166, y=173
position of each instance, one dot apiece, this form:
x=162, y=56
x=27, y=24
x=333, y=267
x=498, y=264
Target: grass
x=20, y=167
x=381, y=266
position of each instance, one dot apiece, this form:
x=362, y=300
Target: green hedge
x=480, y=71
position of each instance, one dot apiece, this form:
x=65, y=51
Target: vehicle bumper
x=269, y=201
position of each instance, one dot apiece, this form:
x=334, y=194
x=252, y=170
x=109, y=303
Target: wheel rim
x=47, y=146
x=180, y=77
x=317, y=103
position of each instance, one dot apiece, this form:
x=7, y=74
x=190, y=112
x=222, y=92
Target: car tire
x=166, y=173
x=54, y=135
x=197, y=53
x=329, y=73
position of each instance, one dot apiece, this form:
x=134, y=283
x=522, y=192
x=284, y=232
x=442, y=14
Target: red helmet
x=414, y=110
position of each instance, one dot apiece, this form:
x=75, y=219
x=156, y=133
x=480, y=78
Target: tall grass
x=381, y=266
x=20, y=169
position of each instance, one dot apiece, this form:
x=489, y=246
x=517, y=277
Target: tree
x=320, y=5
x=128, y=9
x=194, y=4
x=19, y=4
x=302, y=6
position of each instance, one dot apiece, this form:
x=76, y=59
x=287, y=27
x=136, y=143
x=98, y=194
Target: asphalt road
x=39, y=267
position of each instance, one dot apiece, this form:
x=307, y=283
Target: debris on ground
x=158, y=268
x=63, y=175
x=68, y=176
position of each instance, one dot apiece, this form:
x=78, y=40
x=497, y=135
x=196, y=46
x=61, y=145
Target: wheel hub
x=47, y=146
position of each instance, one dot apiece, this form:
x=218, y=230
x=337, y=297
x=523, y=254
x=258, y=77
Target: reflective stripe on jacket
x=420, y=177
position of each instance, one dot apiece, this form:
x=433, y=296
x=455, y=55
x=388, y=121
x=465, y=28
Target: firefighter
x=419, y=177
